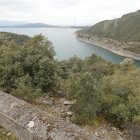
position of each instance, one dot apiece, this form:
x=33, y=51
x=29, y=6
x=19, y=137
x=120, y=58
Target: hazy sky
x=63, y=12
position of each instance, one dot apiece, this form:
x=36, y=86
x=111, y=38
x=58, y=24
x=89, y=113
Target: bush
x=121, y=96
x=133, y=129
x=84, y=89
x=34, y=59
x=25, y=90
x=134, y=48
x=82, y=84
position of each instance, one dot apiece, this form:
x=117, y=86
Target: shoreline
x=118, y=50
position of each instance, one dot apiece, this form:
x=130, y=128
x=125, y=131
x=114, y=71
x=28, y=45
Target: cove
x=66, y=45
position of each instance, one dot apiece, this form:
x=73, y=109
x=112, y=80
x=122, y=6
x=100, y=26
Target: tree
x=34, y=59
x=121, y=96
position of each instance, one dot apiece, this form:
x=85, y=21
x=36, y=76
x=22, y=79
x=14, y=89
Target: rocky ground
x=59, y=107
x=6, y=135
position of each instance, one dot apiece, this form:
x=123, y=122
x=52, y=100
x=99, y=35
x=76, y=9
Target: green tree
x=35, y=59
x=121, y=96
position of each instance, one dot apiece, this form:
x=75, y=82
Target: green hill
x=18, y=39
x=126, y=28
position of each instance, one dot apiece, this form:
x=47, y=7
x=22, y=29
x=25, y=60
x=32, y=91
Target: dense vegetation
x=124, y=29
x=28, y=70
x=99, y=87
x=134, y=48
x=18, y=39
x=102, y=89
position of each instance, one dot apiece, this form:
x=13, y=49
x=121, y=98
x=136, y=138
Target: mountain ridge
x=11, y=23
x=34, y=25
x=124, y=29
x=22, y=24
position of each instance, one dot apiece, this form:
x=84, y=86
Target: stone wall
x=30, y=123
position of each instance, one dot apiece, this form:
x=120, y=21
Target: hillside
x=18, y=39
x=124, y=29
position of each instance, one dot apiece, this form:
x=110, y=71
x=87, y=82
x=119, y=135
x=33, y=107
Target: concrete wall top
x=30, y=123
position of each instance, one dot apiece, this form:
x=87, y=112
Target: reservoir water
x=66, y=45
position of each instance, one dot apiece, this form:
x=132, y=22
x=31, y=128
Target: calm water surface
x=66, y=45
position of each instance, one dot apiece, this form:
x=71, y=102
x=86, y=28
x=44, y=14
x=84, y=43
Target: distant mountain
x=11, y=23
x=22, y=24
x=33, y=25
x=126, y=28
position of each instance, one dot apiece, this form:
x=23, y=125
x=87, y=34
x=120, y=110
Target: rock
x=70, y=113
x=68, y=103
x=96, y=134
x=47, y=97
x=103, y=132
x=120, y=138
x=73, y=118
x=67, y=118
x=3, y=133
x=1, y=127
x=68, y=106
x=62, y=99
x=31, y=124
x=9, y=134
x=62, y=111
x=122, y=134
x=114, y=129
x=126, y=131
x=46, y=103
x=64, y=115
x=52, y=99
x=127, y=62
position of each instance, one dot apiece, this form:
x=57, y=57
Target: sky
x=65, y=12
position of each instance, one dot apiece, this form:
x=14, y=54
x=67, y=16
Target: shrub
x=34, y=59
x=133, y=129
x=84, y=89
x=25, y=90
x=121, y=96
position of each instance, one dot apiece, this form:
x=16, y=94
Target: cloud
x=63, y=12
x=16, y=4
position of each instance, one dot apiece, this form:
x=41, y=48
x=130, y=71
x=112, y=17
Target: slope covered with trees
x=126, y=28
x=18, y=39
